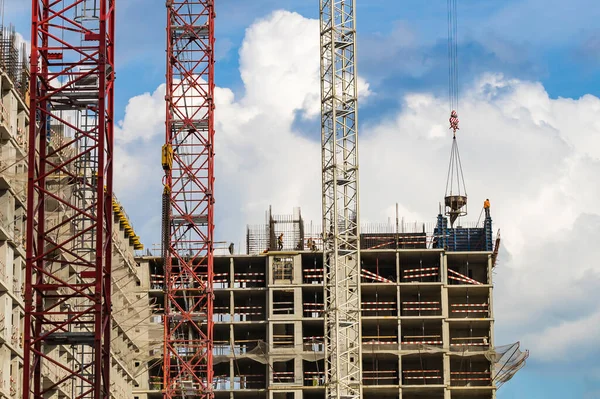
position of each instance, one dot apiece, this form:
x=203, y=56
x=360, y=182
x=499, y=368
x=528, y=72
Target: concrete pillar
x=443, y=268
x=298, y=372
x=489, y=270
x=231, y=375
x=398, y=276
x=298, y=310
x=446, y=362
x=231, y=272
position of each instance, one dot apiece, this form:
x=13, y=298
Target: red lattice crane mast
x=187, y=159
x=69, y=192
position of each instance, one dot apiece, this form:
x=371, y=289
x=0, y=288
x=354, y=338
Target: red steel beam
x=188, y=200
x=69, y=199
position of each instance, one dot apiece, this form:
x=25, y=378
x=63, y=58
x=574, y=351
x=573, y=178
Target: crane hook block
x=167, y=157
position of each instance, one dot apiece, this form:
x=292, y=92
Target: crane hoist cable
x=456, y=192
x=453, y=64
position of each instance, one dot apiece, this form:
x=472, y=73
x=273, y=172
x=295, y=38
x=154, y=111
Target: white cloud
x=535, y=157
x=143, y=118
x=564, y=340
x=279, y=64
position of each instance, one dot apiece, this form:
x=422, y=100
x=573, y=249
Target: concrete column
x=445, y=323
x=231, y=375
x=399, y=306
x=446, y=369
x=269, y=270
x=491, y=303
x=298, y=372
x=298, y=310
x=445, y=302
x=231, y=306
x=443, y=268
x=444, y=299
x=297, y=335
x=269, y=309
x=398, y=276
x=231, y=361
x=231, y=271
x=297, y=269
x=492, y=337
x=489, y=270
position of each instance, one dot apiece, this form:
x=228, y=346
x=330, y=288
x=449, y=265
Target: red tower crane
x=69, y=192
x=188, y=200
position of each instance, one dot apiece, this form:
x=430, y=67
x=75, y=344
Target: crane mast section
x=70, y=165
x=341, y=233
x=188, y=158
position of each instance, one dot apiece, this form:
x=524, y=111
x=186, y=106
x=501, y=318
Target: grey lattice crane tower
x=341, y=233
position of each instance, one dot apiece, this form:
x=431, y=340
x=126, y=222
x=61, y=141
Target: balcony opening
x=470, y=371
x=421, y=301
x=314, y=373
x=283, y=302
x=283, y=372
x=422, y=369
x=418, y=333
x=420, y=268
x=283, y=335
x=283, y=269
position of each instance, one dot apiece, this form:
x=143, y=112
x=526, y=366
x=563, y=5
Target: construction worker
x=486, y=207
x=280, y=242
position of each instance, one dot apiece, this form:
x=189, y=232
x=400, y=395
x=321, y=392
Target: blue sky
x=517, y=60
x=549, y=41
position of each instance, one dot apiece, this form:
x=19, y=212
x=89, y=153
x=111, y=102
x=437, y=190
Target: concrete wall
x=13, y=123
x=417, y=322
x=130, y=323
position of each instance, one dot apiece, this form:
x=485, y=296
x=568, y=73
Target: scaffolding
x=265, y=238
x=14, y=61
x=301, y=236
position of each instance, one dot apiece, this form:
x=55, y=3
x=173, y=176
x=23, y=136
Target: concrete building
x=427, y=314
x=130, y=294
x=14, y=124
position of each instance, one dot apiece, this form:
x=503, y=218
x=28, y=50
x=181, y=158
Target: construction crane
x=341, y=228
x=455, y=199
x=68, y=241
x=187, y=159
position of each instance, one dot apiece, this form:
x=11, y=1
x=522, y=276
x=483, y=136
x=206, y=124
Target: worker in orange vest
x=486, y=206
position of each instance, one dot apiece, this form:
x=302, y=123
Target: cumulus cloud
x=143, y=120
x=279, y=65
x=535, y=157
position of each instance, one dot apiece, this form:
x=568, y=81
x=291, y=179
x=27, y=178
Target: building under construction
x=336, y=311
x=130, y=319
x=426, y=314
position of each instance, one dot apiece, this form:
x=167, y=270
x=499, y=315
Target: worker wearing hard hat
x=280, y=242
x=486, y=207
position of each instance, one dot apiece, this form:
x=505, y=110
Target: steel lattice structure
x=341, y=235
x=69, y=209
x=188, y=200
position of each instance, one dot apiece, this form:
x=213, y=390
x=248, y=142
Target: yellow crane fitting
x=124, y=222
x=167, y=157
